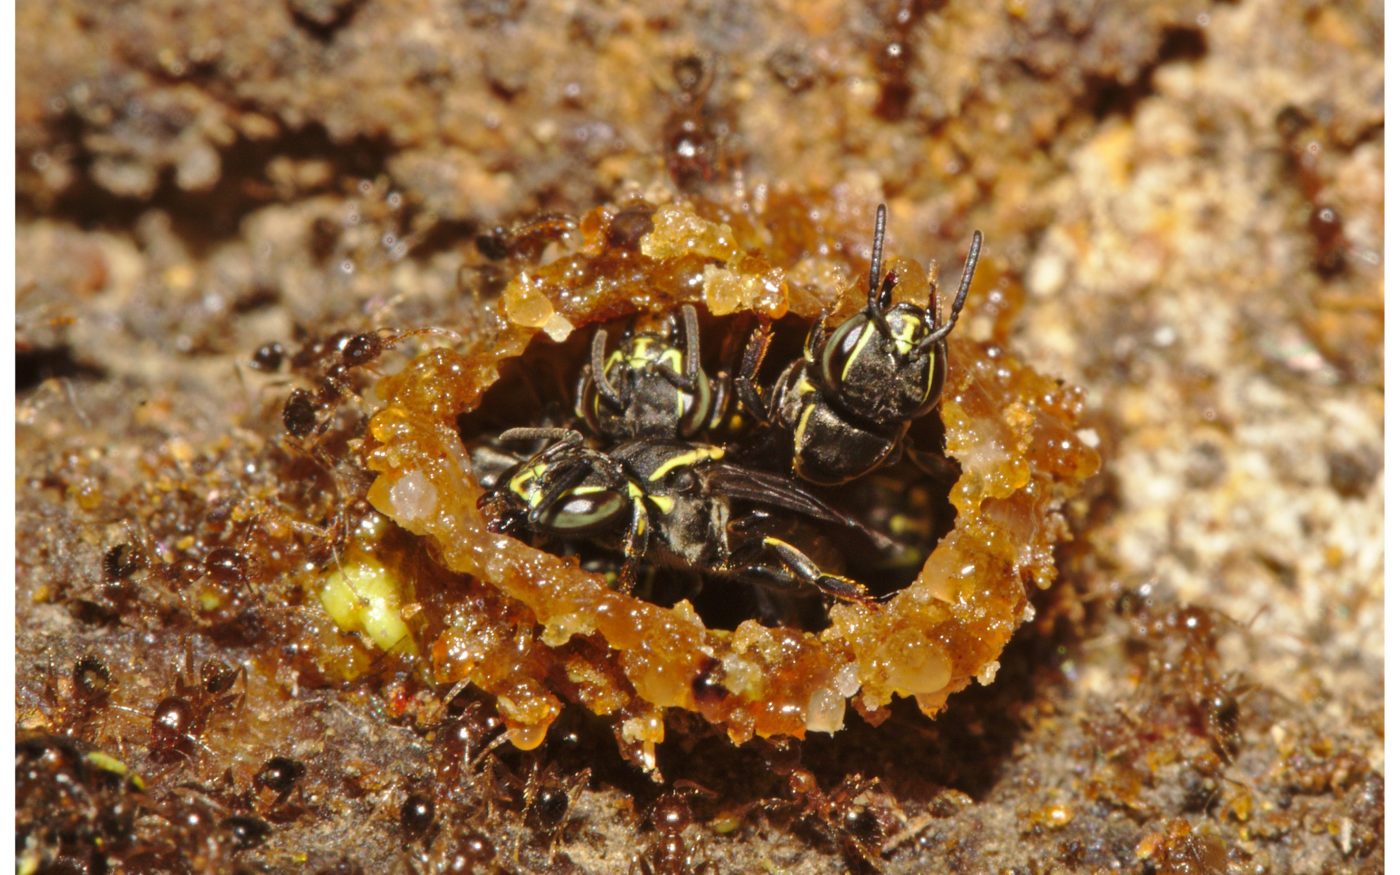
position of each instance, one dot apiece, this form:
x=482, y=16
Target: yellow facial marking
x=522, y=484
x=903, y=334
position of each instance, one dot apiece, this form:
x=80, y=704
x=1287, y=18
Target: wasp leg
x=816, y=337
x=634, y=545
x=934, y=464
x=720, y=385
x=546, y=503
x=801, y=565
x=745, y=385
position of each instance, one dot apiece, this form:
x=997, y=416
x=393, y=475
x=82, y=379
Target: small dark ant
x=338, y=356
x=849, y=817
x=179, y=719
x=280, y=775
x=669, y=853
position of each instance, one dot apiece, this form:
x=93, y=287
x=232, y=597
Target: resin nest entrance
x=536, y=629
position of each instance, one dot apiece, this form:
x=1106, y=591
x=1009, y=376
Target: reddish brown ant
x=526, y=240
x=331, y=361
x=470, y=731
x=669, y=853
x=694, y=134
x=178, y=720
x=851, y=817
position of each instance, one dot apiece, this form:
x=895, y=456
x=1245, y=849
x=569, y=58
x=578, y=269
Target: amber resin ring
x=536, y=630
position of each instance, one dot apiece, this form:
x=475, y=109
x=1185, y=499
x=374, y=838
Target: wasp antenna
x=558, y=435
x=691, y=324
x=876, y=313
x=600, y=372
x=969, y=267
x=877, y=262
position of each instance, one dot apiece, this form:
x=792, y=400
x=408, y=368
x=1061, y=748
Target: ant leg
x=745, y=387
x=801, y=565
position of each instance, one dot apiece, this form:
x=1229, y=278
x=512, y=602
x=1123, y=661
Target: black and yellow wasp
x=677, y=504
x=652, y=385
x=658, y=467
x=846, y=405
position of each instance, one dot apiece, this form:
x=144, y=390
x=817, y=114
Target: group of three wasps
x=722, y=475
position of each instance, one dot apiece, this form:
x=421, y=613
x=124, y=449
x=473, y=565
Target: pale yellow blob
x=363, y=596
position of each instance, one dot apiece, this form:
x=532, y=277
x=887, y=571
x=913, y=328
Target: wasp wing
x=775, y=490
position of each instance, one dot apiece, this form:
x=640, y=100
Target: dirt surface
x=1182, y=204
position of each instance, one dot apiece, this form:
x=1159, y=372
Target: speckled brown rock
x=1184, y=203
